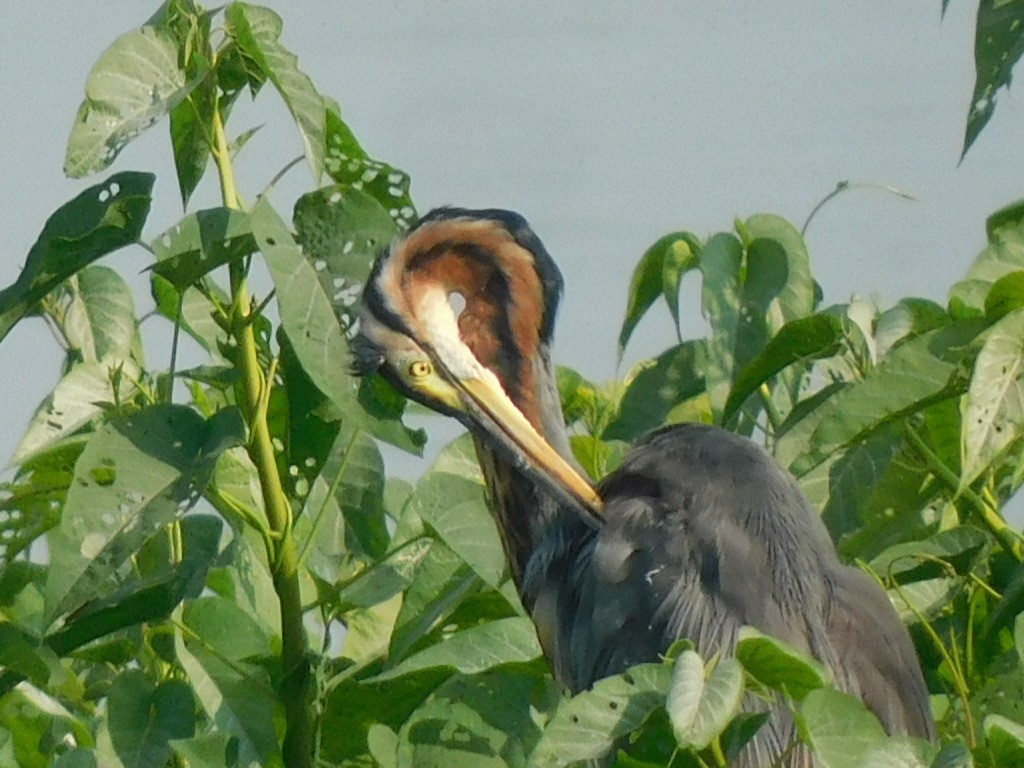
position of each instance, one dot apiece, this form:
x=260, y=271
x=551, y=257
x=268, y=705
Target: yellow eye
x=420, y=368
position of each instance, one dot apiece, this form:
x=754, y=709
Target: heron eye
x=420, y=368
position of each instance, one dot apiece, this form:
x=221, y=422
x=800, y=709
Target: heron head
x=456, y=314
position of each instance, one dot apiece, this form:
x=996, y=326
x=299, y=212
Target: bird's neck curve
x=524, y=508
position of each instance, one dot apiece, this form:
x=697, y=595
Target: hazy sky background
x=606, y=125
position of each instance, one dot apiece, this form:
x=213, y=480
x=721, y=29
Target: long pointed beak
x=485, y=395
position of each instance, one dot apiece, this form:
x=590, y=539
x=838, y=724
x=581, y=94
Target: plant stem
x=296, y=689
x=989, y=516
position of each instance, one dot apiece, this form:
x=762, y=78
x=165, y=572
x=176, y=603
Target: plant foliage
x=208, y=567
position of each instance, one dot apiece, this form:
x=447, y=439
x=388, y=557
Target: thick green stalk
x=296, y=688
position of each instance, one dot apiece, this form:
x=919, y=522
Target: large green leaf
x=135, y=82
x=98, y=315
x=914, y=375
x=24, y=656
x=657, y=387
x=481, y=721
x=994, y=411
x=102, y=219
x=587, y=726
x=801, y=340
x=776, y=248
x=839, y=729
x=450, y=498
x=348, y=164
x=134, y=476
x=142, y=718
x=658, y=273
x=384, y=580
x=256, y=31
x=778, y=665
x=998, y=44
x=505, y=641
x=216, y=648
x=700, y=708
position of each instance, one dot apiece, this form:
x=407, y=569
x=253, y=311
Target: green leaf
x=656, y=388
x=200, y=243
x=256, y=30
x=902, y=752
x=348, y=164
x=955, y=755
x=998, y=44
x=211, y=750
x=135, y=82
x=134, y=476
x=100, y=220
x=839, y=729
x=345, y=506
x=451, y=499
x=22, y=654
x=658, y=273
x=236, y=694
x=778, y=665
x=442, y=582
x=1005, y=296
x=1005, y=739
x=916, y=374
x=587, y=726
x=926, y=598
x=1003, y=255
x=483, y=721
x=142, y=718
x=958, y=548
x=505, y=641
x=84, y=394
x=701, y=709
x=197, y=313
x=384, y=580
x=98, y=315
x=342, y=230
x=775, y=248
x=907, y=318
x=801, y=340
x=152, y=598
x=994, y=412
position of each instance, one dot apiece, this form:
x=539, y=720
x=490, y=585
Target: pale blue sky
x=606, y=125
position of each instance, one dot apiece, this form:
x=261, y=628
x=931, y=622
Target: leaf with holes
x=349, y=165
x=701, y=706
x=200, y=243
x=473, y=650
x=994, y=413
x=998, y=45
x=134, y=476
x=342, y=230
x=256, y=31
x=587, y=726
x=658, y=273
x=80, y=397
x=100, y=220
x=135, y=82
x=779, y=665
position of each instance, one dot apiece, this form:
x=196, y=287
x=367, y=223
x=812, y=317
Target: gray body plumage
x=703, y=534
